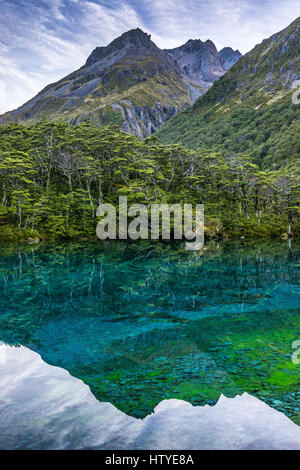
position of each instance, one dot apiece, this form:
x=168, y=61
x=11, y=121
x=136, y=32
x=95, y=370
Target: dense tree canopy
x=53, y=176
x=269, y=135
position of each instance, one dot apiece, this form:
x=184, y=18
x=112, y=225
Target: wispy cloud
x=44, y=41
x=240, y=24
x=41, y=41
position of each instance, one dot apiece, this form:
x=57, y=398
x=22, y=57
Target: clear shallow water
x=142, y=323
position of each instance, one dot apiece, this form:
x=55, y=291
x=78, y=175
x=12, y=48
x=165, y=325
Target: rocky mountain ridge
x=201, y=63
x=131, y=83
x=250, y=109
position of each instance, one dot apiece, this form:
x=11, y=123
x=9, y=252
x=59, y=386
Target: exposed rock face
x=201, y=63
x=229, y=57
x=264, y=77
x=133, y=41
x=141, y=121
x=144, y=119
x=130, y=82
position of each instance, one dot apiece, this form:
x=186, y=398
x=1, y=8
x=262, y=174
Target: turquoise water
x=140, y=323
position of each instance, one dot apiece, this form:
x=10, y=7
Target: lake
x=142, y=322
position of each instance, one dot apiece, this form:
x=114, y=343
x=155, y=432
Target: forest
x=53, y=177
x=268, y=135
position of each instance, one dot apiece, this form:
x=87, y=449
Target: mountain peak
x=193, y=41
x=201, y=62
x=229, y=57
x=194, y=44
x=133, y=37
x=130, y=81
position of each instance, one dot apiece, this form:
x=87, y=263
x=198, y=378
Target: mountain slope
x=130, y=82
x=249, y=109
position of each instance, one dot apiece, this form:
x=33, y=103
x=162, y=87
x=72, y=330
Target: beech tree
x=53, y=177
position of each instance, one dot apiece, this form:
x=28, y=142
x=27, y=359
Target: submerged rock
x=33, y=240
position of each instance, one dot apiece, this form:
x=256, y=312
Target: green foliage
x=53, y=176
x=270, y=136
x=249, y=110
x=111, y=117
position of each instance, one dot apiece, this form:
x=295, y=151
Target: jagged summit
x=192, y=45
x=135, y=38
x=229, y=50
x=229, y=57
x=130, y=82
x=201, y=62
x=251, y=109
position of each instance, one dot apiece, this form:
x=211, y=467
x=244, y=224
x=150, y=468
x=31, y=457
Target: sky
x=42, y=41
